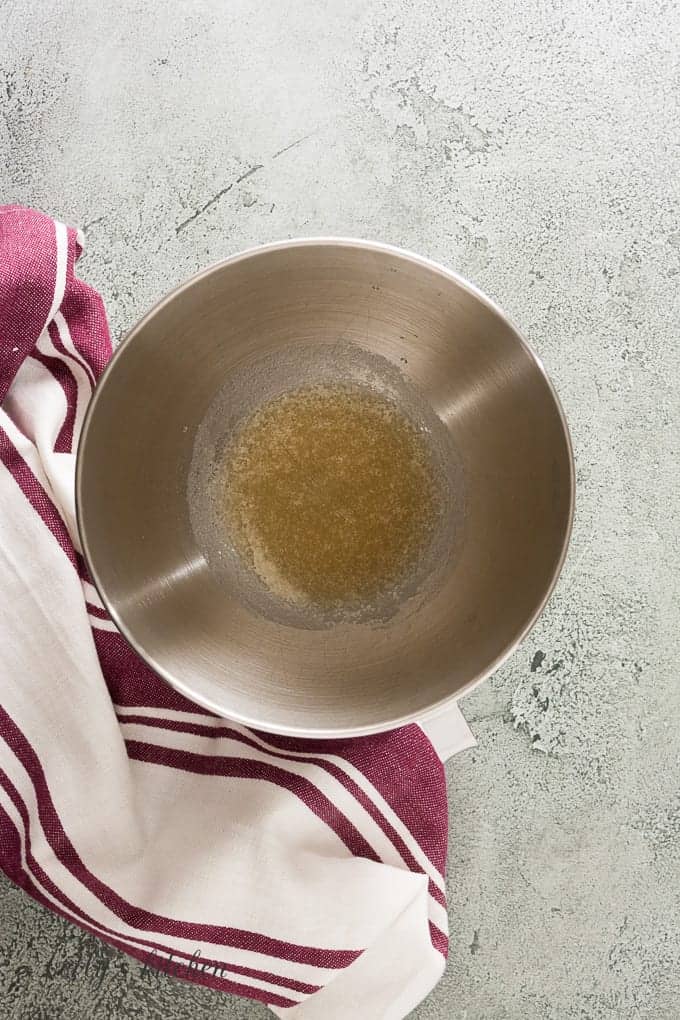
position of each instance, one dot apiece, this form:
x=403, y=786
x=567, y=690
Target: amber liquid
x=330, y=494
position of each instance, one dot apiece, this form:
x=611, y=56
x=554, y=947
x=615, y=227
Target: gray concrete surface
x=533, y=147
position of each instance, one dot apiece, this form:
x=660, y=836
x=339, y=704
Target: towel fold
x=306, y=874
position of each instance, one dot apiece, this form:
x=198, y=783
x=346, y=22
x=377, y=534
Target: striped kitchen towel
x=306, y=874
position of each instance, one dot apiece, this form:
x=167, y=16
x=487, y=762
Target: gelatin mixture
x=329, y=492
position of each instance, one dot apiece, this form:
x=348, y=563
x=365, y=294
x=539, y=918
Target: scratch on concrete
x=220, y=194
x=530, y=885
x=292, y=145
x=249, y=173
x=93, y=223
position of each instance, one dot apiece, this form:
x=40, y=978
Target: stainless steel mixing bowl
x=471, y=366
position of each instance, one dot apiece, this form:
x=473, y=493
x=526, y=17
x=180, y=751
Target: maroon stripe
x=41, y=502
x=100, y=614
x=68, y=904
x=28, y=253
x=74, y=359
x=406, y=770
x=81, y=567
x=137, y=917
x=85, y=314
x=12, y=847
x=63, y=375
x=35, y=494
x=220, y=984
x=439, y=940
x=199, y=729
x=131, y=682
x=437, y=894
x=10, y=853
x=247, y=768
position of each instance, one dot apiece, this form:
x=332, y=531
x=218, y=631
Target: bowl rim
x=184, y=688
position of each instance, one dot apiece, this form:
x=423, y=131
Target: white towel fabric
x=306, y=874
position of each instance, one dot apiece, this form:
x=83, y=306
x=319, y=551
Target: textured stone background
x=534, y=147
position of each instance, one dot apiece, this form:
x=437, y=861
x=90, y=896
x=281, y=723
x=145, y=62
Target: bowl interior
x=461, y=358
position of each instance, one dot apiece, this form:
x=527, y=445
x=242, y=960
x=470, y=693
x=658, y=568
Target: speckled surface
x=533, y=147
